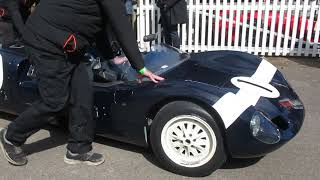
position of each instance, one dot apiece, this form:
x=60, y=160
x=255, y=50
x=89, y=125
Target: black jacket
x=71, y=25
x=106, y=40
x=175, y=11
x=16, y=12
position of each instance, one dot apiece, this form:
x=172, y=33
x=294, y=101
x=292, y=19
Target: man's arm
x=13, y=8
x=115, y=12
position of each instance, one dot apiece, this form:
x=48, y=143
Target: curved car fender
x=156, y=96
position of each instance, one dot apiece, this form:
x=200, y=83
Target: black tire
x=178, y=109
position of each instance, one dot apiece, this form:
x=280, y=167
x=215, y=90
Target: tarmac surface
x=299, y=159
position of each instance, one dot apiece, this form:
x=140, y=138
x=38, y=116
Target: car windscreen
x=159, y=59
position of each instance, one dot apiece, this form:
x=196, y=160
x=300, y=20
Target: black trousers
x=8, y=34
x=64, y=86
x=171, y=35
x=170, y=32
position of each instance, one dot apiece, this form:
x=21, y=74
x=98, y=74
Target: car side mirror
x=150, y=37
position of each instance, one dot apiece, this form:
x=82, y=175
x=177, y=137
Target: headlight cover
x=263, y=129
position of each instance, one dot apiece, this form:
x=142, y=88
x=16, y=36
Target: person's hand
x=120, y=59
x=152, y=76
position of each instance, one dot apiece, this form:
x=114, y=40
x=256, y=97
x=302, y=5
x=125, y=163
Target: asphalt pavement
x=299, y=159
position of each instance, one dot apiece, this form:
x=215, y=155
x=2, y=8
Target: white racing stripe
x=231, y=105
x=265, y=72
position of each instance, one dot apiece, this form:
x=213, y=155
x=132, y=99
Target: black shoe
x=92, y=159
x=13, y=154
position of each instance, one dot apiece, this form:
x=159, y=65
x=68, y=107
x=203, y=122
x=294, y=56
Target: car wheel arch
x=157, y=106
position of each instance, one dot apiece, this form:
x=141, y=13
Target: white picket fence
x=261, y=27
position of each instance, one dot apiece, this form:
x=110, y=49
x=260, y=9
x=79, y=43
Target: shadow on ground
x=240, y=163
x=59, y=136
x=148, y=155
x=310, y=62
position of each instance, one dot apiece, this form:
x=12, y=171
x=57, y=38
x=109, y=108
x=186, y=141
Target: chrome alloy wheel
x=188, y=141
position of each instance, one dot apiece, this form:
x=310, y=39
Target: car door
x=4, y=82
x=113, y=109
x=27, y=87
x=13, y=80
x=103, y=104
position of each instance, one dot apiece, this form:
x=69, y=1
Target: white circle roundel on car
x=253, y=86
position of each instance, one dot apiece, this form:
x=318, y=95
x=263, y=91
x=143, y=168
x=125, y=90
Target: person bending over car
x=56, y=36
x=13, y=14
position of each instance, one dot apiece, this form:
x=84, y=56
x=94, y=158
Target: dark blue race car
x=212, y=105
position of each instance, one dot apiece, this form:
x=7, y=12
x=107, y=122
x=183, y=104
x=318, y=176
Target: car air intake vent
x=281, y=123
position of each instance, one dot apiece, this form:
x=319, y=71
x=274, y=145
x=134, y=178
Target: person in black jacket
x=173, y=12
x=56, y=36
x=13, y=14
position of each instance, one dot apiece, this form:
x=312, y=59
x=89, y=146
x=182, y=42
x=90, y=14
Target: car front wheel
x=186, y=139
